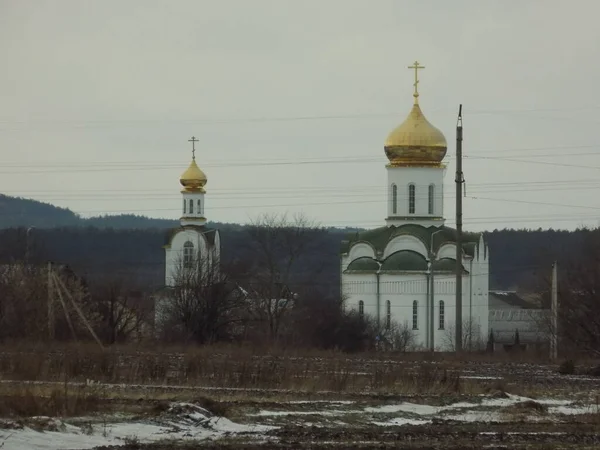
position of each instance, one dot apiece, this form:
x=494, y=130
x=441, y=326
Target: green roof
x=379, y=237
x=364, y=264
x=445, y=265
x=405, y=260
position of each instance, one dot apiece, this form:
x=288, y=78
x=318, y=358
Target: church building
x=192, y=245
x=402, y=274
x=192, y=250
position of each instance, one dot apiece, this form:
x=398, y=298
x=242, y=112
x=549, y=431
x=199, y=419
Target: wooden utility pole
x=459, y=268
x=62, y=286
x=50, y=303
x=554, y=314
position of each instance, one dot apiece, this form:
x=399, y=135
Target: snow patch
x=182, y=421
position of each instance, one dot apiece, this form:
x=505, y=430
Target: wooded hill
x=130, y=246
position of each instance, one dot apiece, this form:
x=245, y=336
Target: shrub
x=567, y=367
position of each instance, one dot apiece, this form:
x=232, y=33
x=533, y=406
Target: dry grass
x=64, y=402
x=247, y=368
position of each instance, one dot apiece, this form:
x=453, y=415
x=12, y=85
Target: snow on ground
x=487, y=409
x=401, y=421
x=330, y=402
x=571, y=410
x=185, y=421
x=182, y=421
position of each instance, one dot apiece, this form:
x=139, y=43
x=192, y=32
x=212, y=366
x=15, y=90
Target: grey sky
x=98, y=99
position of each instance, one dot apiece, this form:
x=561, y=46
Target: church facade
x=402, y=275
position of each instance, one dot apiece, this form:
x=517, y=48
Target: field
x=77, y=397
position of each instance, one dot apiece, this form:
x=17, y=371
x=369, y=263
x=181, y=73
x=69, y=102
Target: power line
x=198, y=121
x=34, y=168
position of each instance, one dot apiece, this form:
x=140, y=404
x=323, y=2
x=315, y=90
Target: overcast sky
x=292, y=102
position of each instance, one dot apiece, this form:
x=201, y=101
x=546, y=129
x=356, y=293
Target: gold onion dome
x=415, y=141
x=193, y=178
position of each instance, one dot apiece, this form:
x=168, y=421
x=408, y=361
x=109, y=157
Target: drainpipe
x=378, y=295
x=432, y=312
x=428, y=306
x=432, y=293
x=471, y=305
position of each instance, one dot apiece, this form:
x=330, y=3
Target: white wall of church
x=174, y=254
x=421, y=178
x=401, y=290
x=193, y=208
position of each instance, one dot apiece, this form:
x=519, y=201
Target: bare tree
x=120, y=311
x=399, y=337
x=282, y=250
x=579, y=298
x=204, y=305
x=22, y=302
x=472, y=338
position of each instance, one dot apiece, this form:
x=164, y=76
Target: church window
x=411, y=198
x=415, y=315
x=442, y=315
x=199, y=206
x=188, y=254
x=388, y=315
x=431, y=194
x=361, y=309
x=394, y=199
x=191, y=206
x=184, y=206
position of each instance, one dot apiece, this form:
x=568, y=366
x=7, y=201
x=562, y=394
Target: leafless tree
x=120, y=311
x=22, y=302
x=204, y=305
x=579, y=298
x=472, y=338
x=281, y=248
x=399, y=337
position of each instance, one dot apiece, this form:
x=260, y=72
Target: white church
x=192, y=247
x=404, y=272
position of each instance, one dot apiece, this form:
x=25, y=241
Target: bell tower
x=193, y=181
x=415, y=173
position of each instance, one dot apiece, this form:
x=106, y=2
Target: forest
x=130, y=246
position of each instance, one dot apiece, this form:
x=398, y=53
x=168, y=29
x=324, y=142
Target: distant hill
x=21, y=212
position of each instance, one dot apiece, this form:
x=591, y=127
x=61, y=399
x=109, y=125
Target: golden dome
x=415, y=141
x=193, y=179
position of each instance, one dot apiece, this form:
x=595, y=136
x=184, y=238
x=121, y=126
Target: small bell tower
x=193, y=181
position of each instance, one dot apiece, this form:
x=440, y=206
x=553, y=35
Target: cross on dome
x=193, y=140
x=193, y=179
x=416, y=66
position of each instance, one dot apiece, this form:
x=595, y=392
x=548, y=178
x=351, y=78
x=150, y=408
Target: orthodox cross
x=193, y=140
x=416, y=66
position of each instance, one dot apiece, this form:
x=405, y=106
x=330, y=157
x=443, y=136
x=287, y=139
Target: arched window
x=394, y=199
x=442, y=314
x=188, y=254
x=415, y=316
x=361, y=309
x=388, y=315
x=191, y=206
x=411, y=198
x=199, y=206
x=184, y=206
x=431, y=194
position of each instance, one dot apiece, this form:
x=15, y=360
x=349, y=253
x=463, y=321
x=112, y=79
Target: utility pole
x=28, y=245
x=554, y=314
x=459, y=272
x=50, y=303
